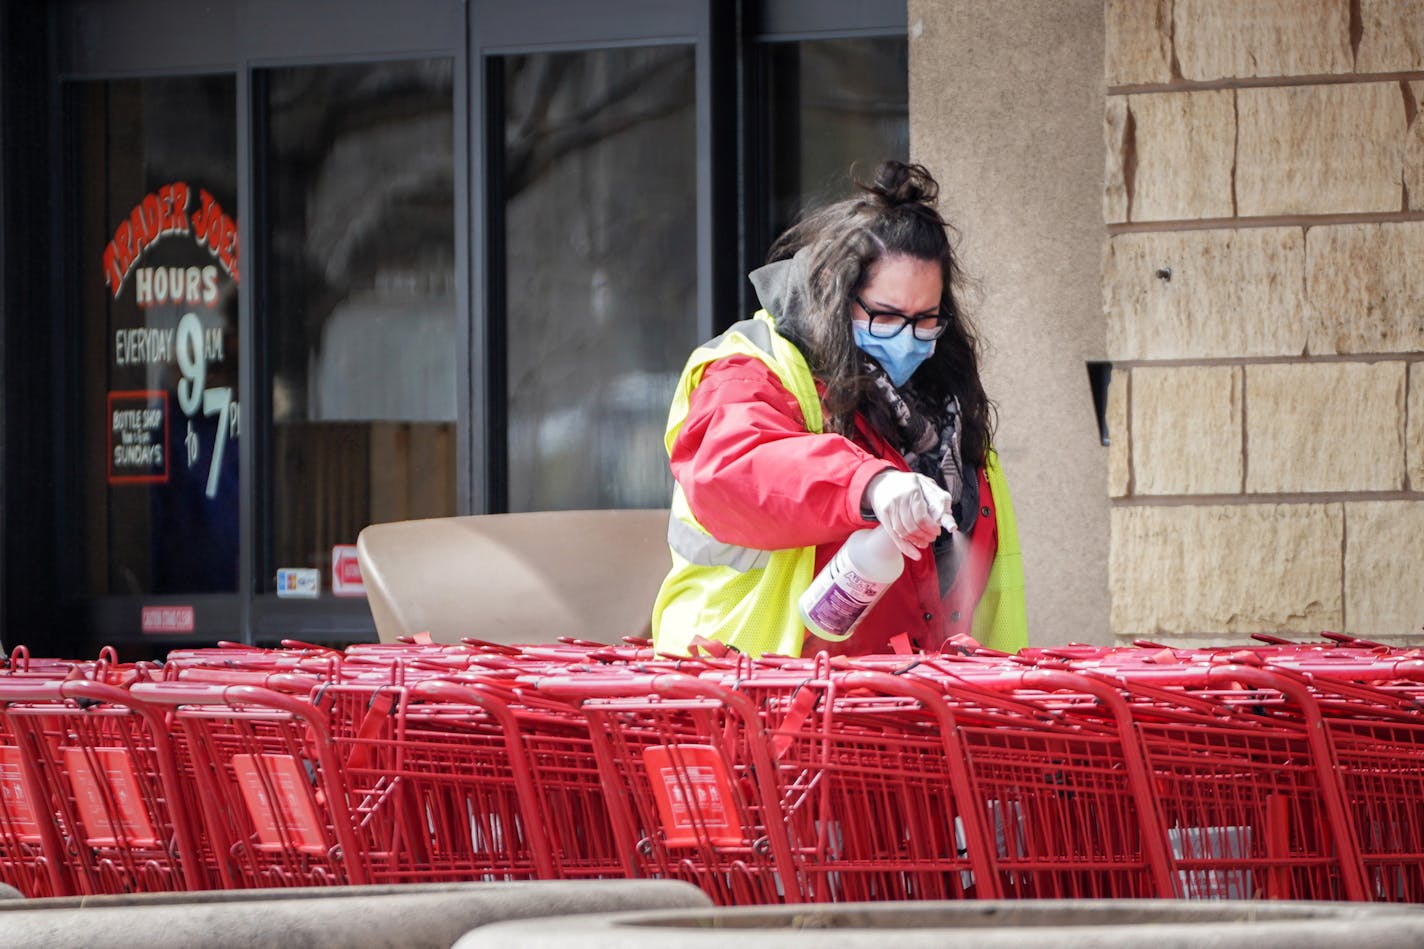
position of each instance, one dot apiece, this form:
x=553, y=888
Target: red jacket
x=754, y=476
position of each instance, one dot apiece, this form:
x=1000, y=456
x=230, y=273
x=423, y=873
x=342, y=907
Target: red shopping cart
x=1055, y=769
x=1243, y=777
x=693, y=788
x=871, y=786
x=1371, y=713
x=441, y=785
x=272, y=797
x=92, y=796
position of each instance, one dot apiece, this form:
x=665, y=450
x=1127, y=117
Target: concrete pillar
x=1006, y=109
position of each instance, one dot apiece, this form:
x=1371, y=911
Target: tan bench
x=516, y=578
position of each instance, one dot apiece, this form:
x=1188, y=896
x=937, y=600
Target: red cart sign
x=167, y=619
x=276, y=791
x=19, y=813
x=346, y=571
x=694, y=795
x=110, y=802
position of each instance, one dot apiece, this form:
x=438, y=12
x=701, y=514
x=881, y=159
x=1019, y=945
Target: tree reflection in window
x=600, y=240
x=358, y=192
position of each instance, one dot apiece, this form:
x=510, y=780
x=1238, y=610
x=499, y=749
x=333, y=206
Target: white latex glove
x=912, y=508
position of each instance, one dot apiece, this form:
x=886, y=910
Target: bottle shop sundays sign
x=138, y=418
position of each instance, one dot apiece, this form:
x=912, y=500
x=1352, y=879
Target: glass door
x=358, y=316
x=599, y=268
x=828, y=85
x=159, y=277
x=269, y=305
x=597, y=229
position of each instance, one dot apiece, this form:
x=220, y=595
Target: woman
x=852, y=396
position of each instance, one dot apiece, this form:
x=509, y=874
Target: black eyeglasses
x=885, y=324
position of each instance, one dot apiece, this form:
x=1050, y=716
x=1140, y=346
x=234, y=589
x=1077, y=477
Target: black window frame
x=788, y=21
x=241, y=41
x=47, y=46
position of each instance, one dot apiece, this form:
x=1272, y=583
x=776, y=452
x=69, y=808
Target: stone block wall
x=1263, y=279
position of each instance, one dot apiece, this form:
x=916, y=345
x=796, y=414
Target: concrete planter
x=341, y=917
x=1103, y=924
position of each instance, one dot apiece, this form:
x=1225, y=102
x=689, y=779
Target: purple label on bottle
x=838, y=599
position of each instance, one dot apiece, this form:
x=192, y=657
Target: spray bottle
x=854, y=581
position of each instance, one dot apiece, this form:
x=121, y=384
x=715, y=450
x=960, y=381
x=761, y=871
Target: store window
x=480, y=241
x=830, y=106
x=599, y=269
x=358, y=308
x=159, y=276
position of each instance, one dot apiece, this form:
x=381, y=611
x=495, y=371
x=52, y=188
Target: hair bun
x=899, y=183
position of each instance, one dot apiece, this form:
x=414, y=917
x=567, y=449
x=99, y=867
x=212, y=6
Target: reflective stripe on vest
x=701, y=548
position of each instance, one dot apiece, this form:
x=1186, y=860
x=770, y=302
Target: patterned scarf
x=927, y=436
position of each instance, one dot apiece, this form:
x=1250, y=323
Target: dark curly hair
x=894, y=215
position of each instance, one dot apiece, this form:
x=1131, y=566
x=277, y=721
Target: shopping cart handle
x=56, y=690
x=905, y=686
x=1270, y=640
x=1409, y=669
x=579, y=688
x=668, y=685
x=486, y=646
x=292, y=682
x=186, y=693
x=309, y=647
x=467, y=693
x=182, y=692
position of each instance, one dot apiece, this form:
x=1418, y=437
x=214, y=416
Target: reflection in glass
x=158, y=275
x=832, y=105
x=600, y=270
x=358, y=193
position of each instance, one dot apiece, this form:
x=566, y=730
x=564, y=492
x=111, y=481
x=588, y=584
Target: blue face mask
x=899, y=356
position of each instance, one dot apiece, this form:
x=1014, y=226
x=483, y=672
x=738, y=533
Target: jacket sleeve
x=753, y=475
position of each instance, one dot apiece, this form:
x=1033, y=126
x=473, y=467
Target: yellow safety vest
x=1000, y=617
x=746, y=597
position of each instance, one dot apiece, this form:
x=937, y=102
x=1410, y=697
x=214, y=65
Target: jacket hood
x=781, y=287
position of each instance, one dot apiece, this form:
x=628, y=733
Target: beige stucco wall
x=1006, y=103
x=1264, y=296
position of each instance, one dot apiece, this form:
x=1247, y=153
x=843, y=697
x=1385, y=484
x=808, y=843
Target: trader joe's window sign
x=170, y=402
x=161, y=214
x=179, y=330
